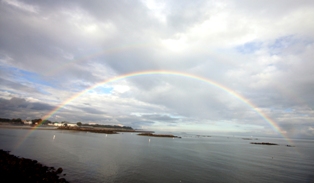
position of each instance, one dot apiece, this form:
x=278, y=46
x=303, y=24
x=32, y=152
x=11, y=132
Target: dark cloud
x=10, y=85
x=19, y=107
x=92, y=110
x=156, y=117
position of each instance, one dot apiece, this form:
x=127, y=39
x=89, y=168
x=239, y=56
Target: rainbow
x=166, y=72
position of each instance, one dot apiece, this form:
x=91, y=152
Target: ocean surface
x=127, y=157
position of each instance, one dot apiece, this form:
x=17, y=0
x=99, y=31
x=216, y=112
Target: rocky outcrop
x=93, y=130
x=263, y=143
x=158, y=135
x=249, y=139
x=15, y=169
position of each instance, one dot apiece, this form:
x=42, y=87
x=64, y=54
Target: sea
x=127, y=157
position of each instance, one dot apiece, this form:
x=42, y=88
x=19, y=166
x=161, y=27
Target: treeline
x=6, y=120
x=20, y=121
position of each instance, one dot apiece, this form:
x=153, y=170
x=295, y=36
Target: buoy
x=54, y=136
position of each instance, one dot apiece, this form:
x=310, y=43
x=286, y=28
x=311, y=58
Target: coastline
x=27, y=127
x=19, y=169
x=92, y=130
x=102, y=130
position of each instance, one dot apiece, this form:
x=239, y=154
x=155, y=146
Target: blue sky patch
x=282, y=42
x=288, y=110
x=26, y=76
x=249, y=47
x=32, y=77
x=104, y=90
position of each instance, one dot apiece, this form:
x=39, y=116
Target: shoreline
x=93, y=130
x=83, y=129
x=27, y=127
x=19, y=169
x=101, y=130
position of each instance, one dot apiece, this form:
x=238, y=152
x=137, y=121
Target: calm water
x=90, y=157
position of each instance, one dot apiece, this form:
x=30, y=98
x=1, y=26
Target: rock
x=15, y=169
x=59, y=170
x=263, y=143
x=158, y=135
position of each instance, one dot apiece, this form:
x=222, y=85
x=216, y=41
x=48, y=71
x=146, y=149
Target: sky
x=236, y=67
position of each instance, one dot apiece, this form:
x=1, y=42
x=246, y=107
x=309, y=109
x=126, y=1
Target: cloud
x=92, y=110
x=22, y=6
x=19, y=107
x=255, y=51
x=159, y=117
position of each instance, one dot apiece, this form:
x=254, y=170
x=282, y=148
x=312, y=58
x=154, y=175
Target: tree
x=18, y=120
x=46, y=121
x=36, y=121
x=79, y=124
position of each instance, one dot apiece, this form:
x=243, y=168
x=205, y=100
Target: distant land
x=158, y=135
x=264, y=143
x=34, y=122
x=98, y=129
x=79, y=126
x=93, y=128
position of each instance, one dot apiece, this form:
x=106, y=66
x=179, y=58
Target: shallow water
x=91, y=157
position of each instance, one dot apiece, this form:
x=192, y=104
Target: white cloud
x=22, y=6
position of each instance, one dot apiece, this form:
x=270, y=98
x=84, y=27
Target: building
x=63, y=124
x=27, y=122
x=72, y=124
x=56, y=124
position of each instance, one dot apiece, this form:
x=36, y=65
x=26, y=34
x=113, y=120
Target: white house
x=63, y=124
x=55, y=124
x=72, y=124
x=27, y=122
